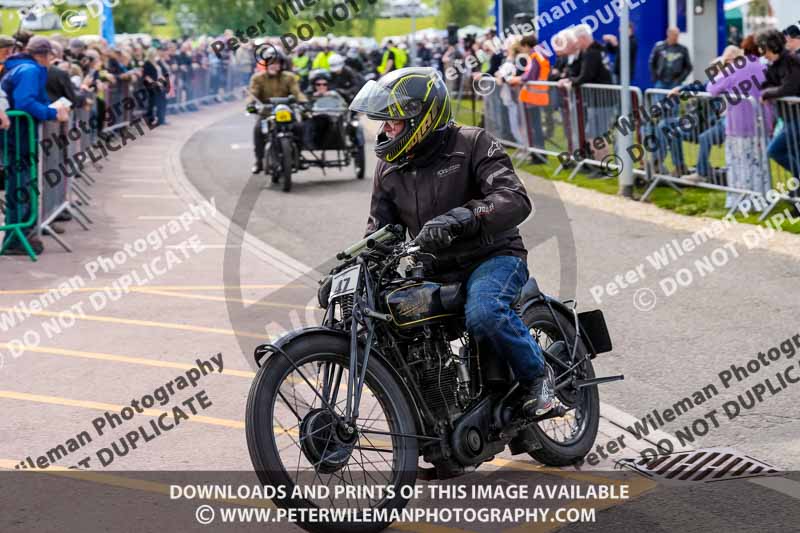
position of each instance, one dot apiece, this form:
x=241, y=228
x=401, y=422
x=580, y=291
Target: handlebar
x=384, y=234
x=258, y=106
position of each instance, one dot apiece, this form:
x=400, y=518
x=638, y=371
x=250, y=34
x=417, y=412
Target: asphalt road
x=746, y=305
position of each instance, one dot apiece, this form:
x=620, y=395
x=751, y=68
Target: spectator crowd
x=51, y=78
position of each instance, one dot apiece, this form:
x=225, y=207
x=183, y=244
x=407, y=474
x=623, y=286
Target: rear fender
x=592, y=323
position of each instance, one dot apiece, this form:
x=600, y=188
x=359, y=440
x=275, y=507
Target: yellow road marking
x=223, y=299
x=125, y=359
x=163, y=287
x=146, y=323
x=98, y=406
x=636, y=487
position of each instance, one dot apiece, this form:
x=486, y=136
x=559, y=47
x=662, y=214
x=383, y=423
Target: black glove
x=439, y=232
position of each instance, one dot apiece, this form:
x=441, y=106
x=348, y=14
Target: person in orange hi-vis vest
x=534, y=97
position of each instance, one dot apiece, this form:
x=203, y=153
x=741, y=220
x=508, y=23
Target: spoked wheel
x=298, y=440
x=285, y=163
x=567, y=439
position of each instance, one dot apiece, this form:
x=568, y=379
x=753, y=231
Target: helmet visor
x=381, y=103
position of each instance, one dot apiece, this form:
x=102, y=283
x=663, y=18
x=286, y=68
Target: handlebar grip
x=372, y=244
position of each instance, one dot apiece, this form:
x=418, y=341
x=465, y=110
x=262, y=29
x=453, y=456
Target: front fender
x=269, y=351
x=265, y=349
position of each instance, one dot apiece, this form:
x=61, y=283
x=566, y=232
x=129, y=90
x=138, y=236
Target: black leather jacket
x=467, y=168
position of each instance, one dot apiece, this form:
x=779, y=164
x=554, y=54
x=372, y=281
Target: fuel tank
x=422, y=302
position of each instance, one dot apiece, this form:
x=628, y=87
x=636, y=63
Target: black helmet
x=319, y=74
x=415, y=95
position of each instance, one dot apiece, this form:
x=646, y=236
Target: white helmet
x=336, y=63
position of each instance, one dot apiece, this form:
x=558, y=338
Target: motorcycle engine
x=443, y=376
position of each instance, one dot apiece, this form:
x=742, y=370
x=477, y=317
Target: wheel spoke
x=308, y=421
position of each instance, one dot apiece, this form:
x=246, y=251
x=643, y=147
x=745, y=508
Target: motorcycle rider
x=454, y=188
x=344, y=80
x=274, y=82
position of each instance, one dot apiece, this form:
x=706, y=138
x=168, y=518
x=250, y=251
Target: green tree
x=214, y=16
x=132, y=16
x=463, y=12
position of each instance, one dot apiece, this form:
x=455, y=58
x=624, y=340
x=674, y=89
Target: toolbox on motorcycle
x=593, y=325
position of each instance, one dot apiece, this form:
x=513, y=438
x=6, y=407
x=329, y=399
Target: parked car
x=43, y=22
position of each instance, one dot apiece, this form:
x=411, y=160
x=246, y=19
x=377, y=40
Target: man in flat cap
x=24, y=83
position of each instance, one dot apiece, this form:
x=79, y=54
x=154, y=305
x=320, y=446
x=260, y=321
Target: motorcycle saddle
x=453, y=297
x=529, y=291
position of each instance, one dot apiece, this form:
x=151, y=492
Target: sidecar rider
x=454, y=188
x=319, y=130
x=274, y=82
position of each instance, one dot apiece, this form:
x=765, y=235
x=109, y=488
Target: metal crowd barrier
x=787, y=134
x=569, y=123
x=20, y=174
x=58, y=179
x=600, y=124
x=672, y=138
x=52, y=181
x=693, y=130
x=204, y=85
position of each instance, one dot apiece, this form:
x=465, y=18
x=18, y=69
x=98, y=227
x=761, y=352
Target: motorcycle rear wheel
x=283, y=428
x=564, y=440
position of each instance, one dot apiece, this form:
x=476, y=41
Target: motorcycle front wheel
x=285, y=160
x=269, y=166
x=296, y=439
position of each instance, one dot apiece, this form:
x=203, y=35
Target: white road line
x=205, y=246
x=153, y=196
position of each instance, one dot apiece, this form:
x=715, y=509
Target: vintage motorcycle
x=283, y=154
x=392, y=375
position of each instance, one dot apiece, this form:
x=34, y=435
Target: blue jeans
x=492, y=322
x=533, y=121
x=713, y=136
x=785, y=148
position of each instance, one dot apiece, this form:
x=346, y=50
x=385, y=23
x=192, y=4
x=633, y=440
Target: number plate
x=345, y=282
x=264, y=126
